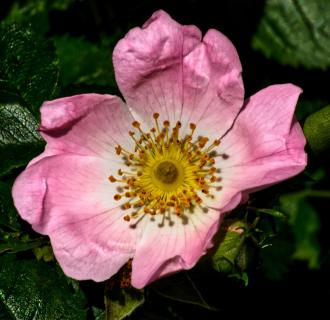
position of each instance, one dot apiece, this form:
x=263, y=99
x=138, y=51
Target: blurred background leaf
x=83, y=62
x=35, y=13
x=295, y=32
x=305, y=224
x=316, y=129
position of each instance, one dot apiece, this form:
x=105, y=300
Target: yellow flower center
x=166, y=172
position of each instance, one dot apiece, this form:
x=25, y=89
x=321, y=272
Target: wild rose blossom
x=151, y=179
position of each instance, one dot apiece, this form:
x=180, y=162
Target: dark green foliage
x=295, y=32
x=121, y=302
x=181, y=288
x=34, y=290
x=19, y=138
x=28, y=64
x=276, y=259
x=305, y=224
x=8, y=214
x=82, y=62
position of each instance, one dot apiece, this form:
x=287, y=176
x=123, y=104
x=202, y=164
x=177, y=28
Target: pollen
x=167, y=172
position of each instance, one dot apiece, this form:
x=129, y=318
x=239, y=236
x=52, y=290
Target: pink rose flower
x=151, y=179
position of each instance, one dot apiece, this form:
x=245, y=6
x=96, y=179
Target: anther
x=117, y=197
x=136, y=124
x=118, y=150
x=213, y=179
x=198, y=200
x=156, y=115
x=127, y=205
x=127, y=218
x=212, y=161
x=216, y=142
x=213, y=170
x=178, y=211
x=112, y=179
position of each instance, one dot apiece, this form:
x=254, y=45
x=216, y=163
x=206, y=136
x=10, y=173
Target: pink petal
x=164, y=248
x=69, y=198
x=164, y=67
x=213, y=86
x=87, y=124
x=266, y=144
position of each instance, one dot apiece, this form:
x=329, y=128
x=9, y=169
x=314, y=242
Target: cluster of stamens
x=166, y=172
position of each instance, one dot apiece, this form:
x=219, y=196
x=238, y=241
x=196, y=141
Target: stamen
x=168, y=173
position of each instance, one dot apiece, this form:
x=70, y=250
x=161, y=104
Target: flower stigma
x=167, y=172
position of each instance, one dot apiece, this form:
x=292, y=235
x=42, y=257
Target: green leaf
x=14, y=246
x=33, y=12
x=98, y=314
x=120, y=303
x=29, y=64
x=241, y=276
x=34, y=290
x=295, y=32
x=272, y=212
x=305, y=224
x=82, y=62
x=19, y=138
x=317, y=130
x=8, y=213
x=180, y=287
